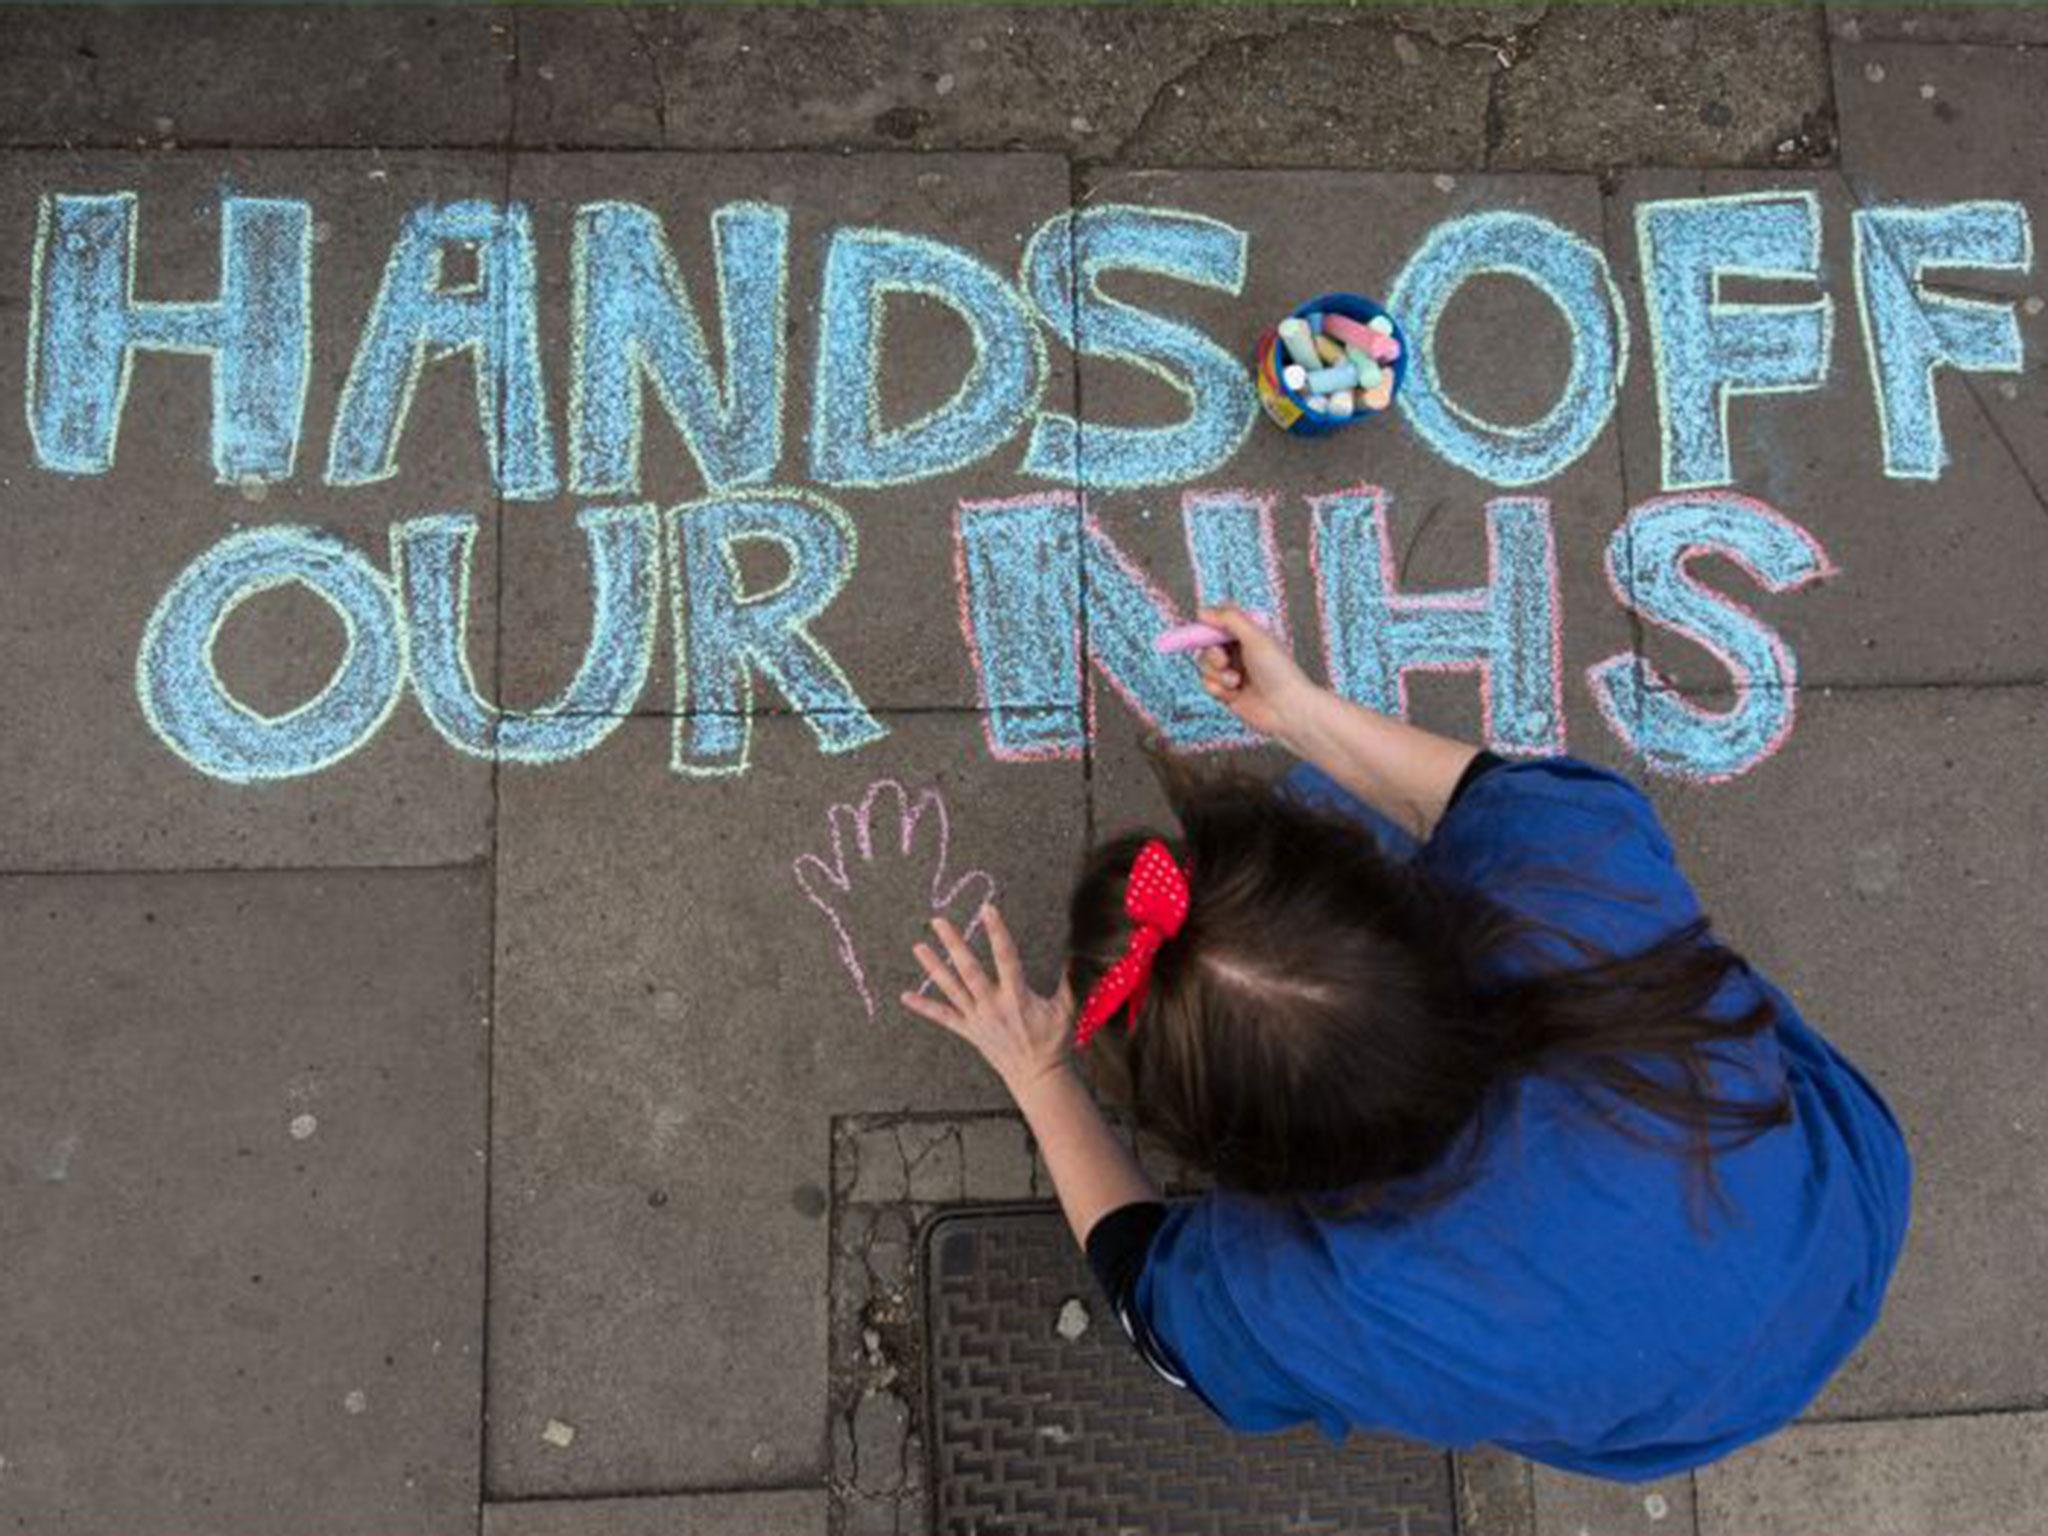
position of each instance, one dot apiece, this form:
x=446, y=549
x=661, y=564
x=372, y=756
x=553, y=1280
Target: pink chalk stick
x=1197, y=637
x=1191, y=637
x=1351, y=333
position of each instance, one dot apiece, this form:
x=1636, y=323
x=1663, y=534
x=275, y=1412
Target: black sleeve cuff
x=1480, y=766
x=1117, y=1246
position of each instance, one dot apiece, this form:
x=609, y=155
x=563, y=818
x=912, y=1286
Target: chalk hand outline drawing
x=828, y=878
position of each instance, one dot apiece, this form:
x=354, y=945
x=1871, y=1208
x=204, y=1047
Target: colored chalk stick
x=1348, y=332
x=1295, y=377
x=1320, y=404
x=1328, y=350
x=1368, y=370
x=1315, y=321
x=1199, y=637
x=1379, y=399
x=1191, y=637
x=1381, y=324
x=1342, y=404
x=1324, y=381
x=1300, y=345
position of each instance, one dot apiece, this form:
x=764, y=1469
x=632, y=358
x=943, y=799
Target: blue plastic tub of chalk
x=1290, y=408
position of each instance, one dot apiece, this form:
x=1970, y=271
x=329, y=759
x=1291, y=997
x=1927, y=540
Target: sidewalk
x=447, y=1066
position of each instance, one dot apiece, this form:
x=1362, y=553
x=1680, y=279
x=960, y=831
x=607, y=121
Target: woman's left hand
x=1022, y=1035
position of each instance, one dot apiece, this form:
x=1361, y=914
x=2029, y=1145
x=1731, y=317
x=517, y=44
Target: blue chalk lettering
x=1235, y=553
x=1222, y=403
x=432, y=556
x=1508, y=631
x=1647, y=560
x=1909, y=332
x=190, y=708
x=724, y=634
x=631, y=314
x=1573, y=274
x=1127, y=612
x=1706, y=350
x=849, y=444
x=415, y=319
x=86, y=325
x=1020, y=567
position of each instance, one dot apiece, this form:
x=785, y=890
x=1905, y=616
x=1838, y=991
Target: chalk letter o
x=190, y=708
x=1573, y=274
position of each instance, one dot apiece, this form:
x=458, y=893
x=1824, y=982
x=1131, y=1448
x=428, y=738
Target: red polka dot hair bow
x=1156, y=899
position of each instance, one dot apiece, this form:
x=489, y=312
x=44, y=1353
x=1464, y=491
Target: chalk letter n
x=1021, y=565
x=631, y=315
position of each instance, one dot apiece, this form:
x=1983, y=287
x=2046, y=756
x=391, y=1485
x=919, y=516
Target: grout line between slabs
x=1086, y=699
x=483, y=1438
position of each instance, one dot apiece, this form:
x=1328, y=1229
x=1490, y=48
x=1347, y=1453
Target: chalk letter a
x=416, y=318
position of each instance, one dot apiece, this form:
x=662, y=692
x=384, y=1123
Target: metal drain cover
x=1041, y=1427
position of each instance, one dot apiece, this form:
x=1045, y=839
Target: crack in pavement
x=644, y=46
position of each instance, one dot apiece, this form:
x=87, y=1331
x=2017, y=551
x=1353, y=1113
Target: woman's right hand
x=1255, y=677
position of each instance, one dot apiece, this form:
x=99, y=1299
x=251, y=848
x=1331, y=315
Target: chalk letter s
x=1221, y=403
x=414, y=316
x=724, y=634
x=849, y=445
x=85, y=327
x=1705, y=350
x=1573, y=274
x=1647, y=560
x=1909, y=332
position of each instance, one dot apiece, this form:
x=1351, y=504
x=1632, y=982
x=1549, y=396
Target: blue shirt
x=1577, y=1301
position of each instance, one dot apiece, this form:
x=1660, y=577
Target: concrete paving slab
x=1235, y=85
x=679, y=1026
x=2021, y=22
x=1496, y=1492
x=242, y=1201
x=1935, y=581
x=1982, y=1474
x=88, y=782
x=1883, y=869
x=894, y=627
x=248, y=76
x=1596, y=86
x=797, y=1512
x=1939, y=125
x=1589, y=1506
x=1502, y=350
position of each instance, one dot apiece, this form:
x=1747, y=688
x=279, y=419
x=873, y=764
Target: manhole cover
x=1046, y=1423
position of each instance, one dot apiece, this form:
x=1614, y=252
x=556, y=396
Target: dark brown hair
x=1334, y=1022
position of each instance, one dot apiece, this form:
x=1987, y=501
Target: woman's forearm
x=1092, y=1170
x=1399, y=769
